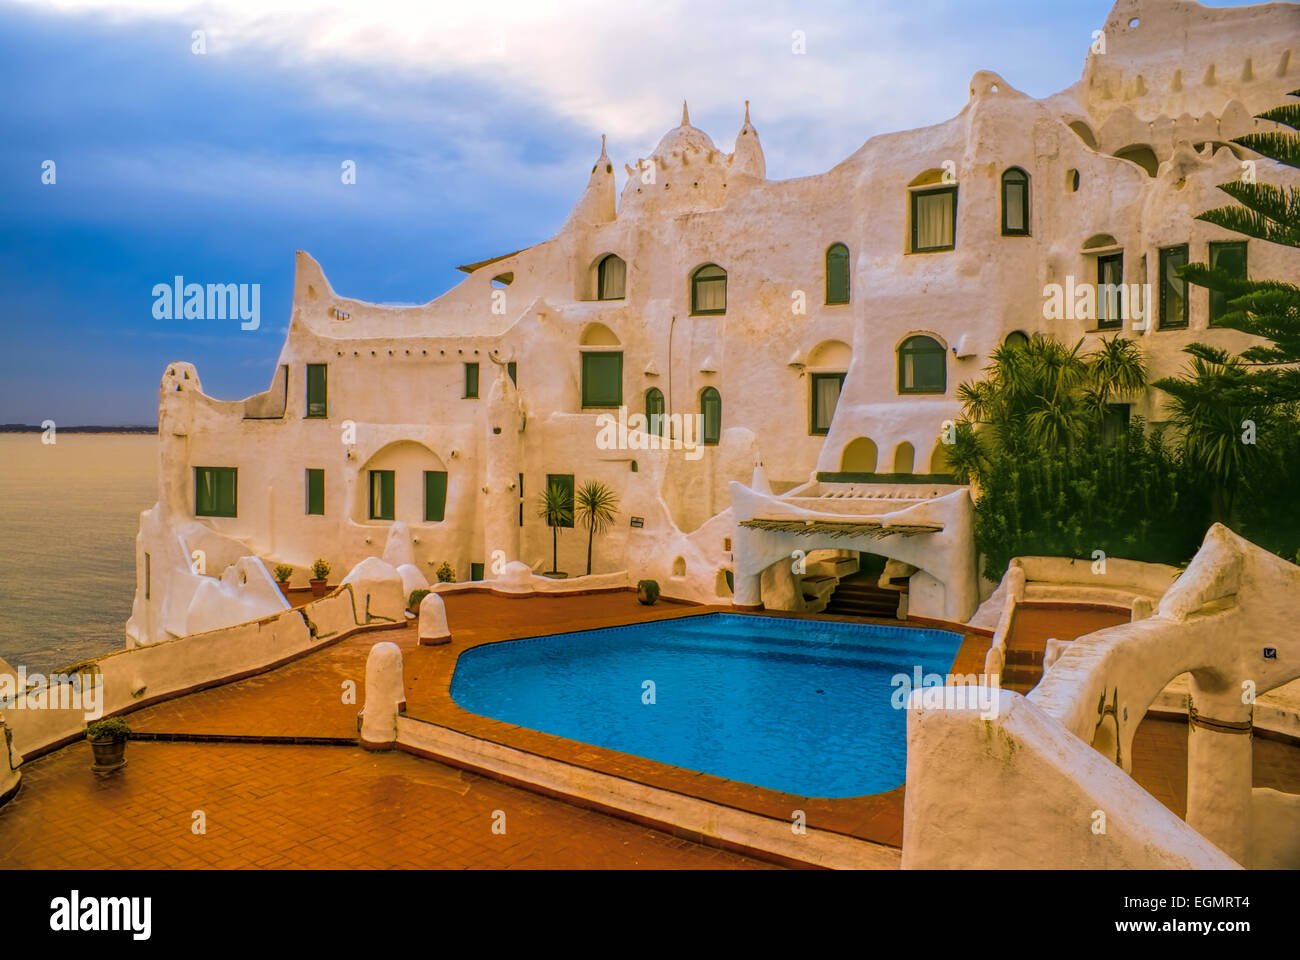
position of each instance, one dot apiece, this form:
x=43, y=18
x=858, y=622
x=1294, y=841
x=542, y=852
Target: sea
x=69, y=512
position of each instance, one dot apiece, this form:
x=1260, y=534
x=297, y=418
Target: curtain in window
x=613, y=277
x=826, y=394
x=709, y=290
x=934, y=220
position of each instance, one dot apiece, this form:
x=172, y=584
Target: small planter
x=110, y=755
x=284, y=588
x=108, y=743
x=647, y=591
x=318, y=587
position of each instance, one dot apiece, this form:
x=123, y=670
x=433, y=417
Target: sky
x=472, y=128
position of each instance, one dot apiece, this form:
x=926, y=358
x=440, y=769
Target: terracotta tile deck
x=291, y=805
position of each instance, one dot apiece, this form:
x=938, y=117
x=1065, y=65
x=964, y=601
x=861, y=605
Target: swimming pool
x=801, y=706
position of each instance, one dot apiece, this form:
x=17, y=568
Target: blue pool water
x=801, y=706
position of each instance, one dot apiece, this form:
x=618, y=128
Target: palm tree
x=553, y=507
x=597, y=506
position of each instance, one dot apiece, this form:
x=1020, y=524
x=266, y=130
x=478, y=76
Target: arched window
x=1016, y=338
x=654, y=411
x=611, y=278
x=922, y=366
x=1015, y=203
x=709, y=290
x=711, y=407
x=837, y=274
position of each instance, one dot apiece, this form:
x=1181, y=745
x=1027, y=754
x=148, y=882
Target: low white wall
x=155, y=671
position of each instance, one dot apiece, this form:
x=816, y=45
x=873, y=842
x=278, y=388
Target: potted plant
x=108, y=743
x=413, y=601
x=647, y=591
x=553, y=506
x=320, y=571
x=282, y=574
x=446, y=573
x=597, y=507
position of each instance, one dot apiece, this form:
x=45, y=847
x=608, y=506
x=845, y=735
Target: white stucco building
x=820, y=325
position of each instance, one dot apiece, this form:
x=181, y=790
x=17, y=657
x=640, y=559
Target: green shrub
x=650, y=588
x=413, y=602
x=320, y=570
x=114, y=728
x=446, y=573
x=283, y=572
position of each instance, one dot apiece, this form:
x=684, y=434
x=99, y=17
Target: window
x=471, y=380
x=1114, y=423
x=512, y=369
x=1015, y=203
x=709, y=290
x=316, y=389
x=381, y=494
x=315, y=492
x=711, y=407
x=602, y=378
x=215, y=491
x=611, y=278
x=1173, y=289
x=654, y=411
x=148, y=575
x=435, y=495
x=565, y=482
x=922, y=366
x=825, y=395
x=837, y=274
x=476, y=571
x=1016, y=338
x=1229, y=257
x=934, y=219
x=1110, y=299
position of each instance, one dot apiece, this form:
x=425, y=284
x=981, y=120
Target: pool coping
x=871, y=824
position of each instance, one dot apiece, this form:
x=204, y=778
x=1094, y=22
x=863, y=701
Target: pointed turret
x=748, y=158
x=598, y=202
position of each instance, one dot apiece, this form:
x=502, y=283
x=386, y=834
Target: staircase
x=858, y=596
x=1023, y=670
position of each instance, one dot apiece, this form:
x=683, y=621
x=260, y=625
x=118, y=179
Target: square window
x=934, y=219
x=602, y=379
x=215, y=491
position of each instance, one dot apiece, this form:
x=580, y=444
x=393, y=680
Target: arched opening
x=722, y=583
x=611, y=277
x=837, y=273
x=827, y=365
x=654, y=411
x=939, y=459
x=1084, y=133
x=922, y=366
x=1100, y=241
x=711, y=409
x=679, y=567
x=904, y=457
x=859, y=456
x=1142, y=155
x=602, y=367
x=598, y=335
x=1016, y=338
x=1015, y=203
x=709, y=290
x=404, y=480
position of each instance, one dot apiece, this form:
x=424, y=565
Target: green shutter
x=711, y=408
x=837, y=274
x=471, y=380
x=315, y=491
x=512, y=368
x=602, y=379
x=435, y=495
x=316, y=390
x=215, y=492
x=476, y=571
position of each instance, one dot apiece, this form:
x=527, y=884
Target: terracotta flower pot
x=318, y=587
x=109, y=755
x=284, y=587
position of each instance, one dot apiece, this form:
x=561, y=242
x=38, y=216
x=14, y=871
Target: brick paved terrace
x=289, y=805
